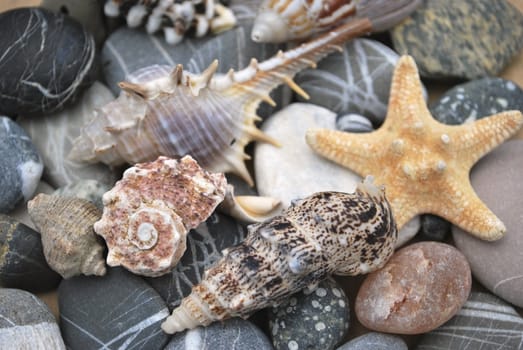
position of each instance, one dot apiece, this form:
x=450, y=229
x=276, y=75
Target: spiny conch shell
x=174, y=17
x=326, y=233
x=210, y=117
x=283, y=20
x=66, y=225
x=149, y=212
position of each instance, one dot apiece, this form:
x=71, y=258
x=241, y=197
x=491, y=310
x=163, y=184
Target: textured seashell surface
x=66, y=225
x=149, y=211
x=325, y=233
x=210, y=117
x=284, y=20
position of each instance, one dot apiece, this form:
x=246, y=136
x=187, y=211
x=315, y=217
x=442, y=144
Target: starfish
x=423, y=163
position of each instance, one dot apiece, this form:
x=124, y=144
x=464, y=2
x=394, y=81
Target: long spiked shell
x=210, y=117
x=326, y=233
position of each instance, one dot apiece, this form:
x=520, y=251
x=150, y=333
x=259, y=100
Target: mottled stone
x=356, y=80
x=50, y=58
x=496, y=178
x=231, y=334
x=26, y=322
x=422, y=286
x=21, y=214
x=204, y=246
x=461, y=39
x=116, y=311
x=293, y=170
x=53, y=136
x=477, y=99
x=375, y=341
x=311, y=320
x=353, y=123
x=22, y=260
x=90, y=190
x=21, y=166
x=485, y=322
x=434, y=228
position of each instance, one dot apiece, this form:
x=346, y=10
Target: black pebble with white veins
x=45, y=60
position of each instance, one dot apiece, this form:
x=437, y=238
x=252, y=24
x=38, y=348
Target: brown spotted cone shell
x=148, y=213
x=66, y=225
x=326, y=233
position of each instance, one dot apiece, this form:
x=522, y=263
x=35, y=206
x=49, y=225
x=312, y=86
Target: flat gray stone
x=375, y=341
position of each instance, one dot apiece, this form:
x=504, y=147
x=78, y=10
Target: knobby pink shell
x=149, y=212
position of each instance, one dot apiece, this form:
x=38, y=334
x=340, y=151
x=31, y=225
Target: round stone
x=90, y=190
x=434, y=228
x=375, y=341
x=26, y=322
x=422, y=286
x=315, y=320
x=21, y=167
x=46, y=66
x=353, y=123
x=496, y=180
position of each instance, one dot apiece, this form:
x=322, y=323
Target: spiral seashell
x=210, y=117
x=283, y=20
x=66, y=225
x=326, y=233
x=148, y=213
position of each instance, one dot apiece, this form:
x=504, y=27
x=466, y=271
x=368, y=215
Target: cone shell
x=148, y=213
x=326, y=233
x=66, y=225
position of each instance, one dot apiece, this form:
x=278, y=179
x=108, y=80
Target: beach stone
x=353, y=123
x=461, y=39
x=422, y=286
x=90, y=190
x=244, y=10
x=53, y=136
x=315, y=320
x=375, y=341
x=116, y=311
x=21, y=166
x=477, y=99
x=484, y=322
x=434, y=228
x=299, y=171
x=21, y=214
x=26, y=322
x=204, y=247
x=356, y=80
x=496, y=180
x=22, y=260
x=46, y=66
x=231, y=334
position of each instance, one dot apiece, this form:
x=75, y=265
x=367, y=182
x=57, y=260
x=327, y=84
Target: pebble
x=301, y=172
x=485, y=322
x=21, y=165
x=461, y=39
x=47, y=65
x=53, y=136
x=356, y=80
x=314, y=320
x=477, y=99
x=22, y=260
x=116, y=311
x=90, y=190
x=204, y=246
x=375, y=341
x=353, y=123
x=422, y=286
x=231, y=334
x=26, y=322
x=244, y=10
x=496, y=178
x=434, y=228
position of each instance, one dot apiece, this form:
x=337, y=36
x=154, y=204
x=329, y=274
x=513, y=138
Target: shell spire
x=172, y=112
x=325, y=233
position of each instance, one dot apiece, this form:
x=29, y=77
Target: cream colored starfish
x=424, y=164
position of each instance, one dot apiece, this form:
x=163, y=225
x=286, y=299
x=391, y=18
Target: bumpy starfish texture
x=424, y=164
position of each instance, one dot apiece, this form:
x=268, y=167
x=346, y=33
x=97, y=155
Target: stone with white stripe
x=45, y=60
x=485, y=322
x=375, y=341
x=116, y=311
x=26, y=322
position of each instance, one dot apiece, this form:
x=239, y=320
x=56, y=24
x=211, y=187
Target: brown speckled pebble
x=421, y=287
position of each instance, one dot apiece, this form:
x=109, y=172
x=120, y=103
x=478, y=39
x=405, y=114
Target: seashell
x=325, y=233
x=66, y=225
x=149, y=212
x=283, y=20
x=174, y=17
x=210, y=117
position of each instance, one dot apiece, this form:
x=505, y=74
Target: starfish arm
x=474, y=140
